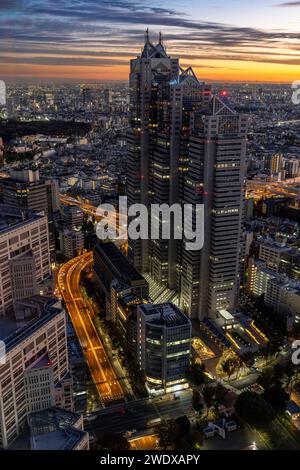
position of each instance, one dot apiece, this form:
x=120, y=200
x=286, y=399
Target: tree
x=184, y=425
x=248, y=358
x=265, y=378
x=220, y=393
x=278, y=371
x=167, y=433
x=276, y=396
x=208, y=396
x=253, y=408
x=228, y=363
x=197, y=401
x=114, y=442
x=197, y=373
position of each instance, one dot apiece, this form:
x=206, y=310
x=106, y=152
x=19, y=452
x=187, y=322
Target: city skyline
x=88, y=40
x=149, y=228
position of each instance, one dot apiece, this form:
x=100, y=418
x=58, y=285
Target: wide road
x=141, y=414
x=103, y=374
x=112, y=217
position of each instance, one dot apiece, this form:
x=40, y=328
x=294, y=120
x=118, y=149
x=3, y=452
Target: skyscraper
x=25, y=189
x=186, y=145
x=24, y=247
x=36, y=363
x=150, y=76
x=217, y=148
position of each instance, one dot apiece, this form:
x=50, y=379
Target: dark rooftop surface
x=120, y=262
x=165, y=314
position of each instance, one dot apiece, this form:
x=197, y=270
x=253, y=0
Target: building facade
x=36, y=360
x=163, y=337
x=25, y=189
x=186, y=146
x=22, y=232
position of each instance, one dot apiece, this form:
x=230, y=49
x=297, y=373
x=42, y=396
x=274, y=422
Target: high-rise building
x=36, y=362
x=23, y=235
x=23, y=276
x=163, y=344
x=1, y=151
x=275, y=163
x=150, y=77
x=73, y=217
x=107, y=98
x=186, y=145
x=292, y=168
x=25, y=189
x=72, y=243
x=217, y=149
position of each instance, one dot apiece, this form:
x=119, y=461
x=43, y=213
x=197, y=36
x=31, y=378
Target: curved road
x=103, y=374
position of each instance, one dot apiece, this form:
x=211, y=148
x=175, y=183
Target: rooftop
x=62, y=439
x=166, y=314
x=54, y=429
x=11, y=334
x=13, y=217
x=119, y=261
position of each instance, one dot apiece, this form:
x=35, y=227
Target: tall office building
x=24, y=188
x=163, y=342
x=150, y=76
x=186, y=145
x=36, y=363
x=73, y=217
x=107, y=95
x=217, y=149
x=24, y=247
x=1, y=151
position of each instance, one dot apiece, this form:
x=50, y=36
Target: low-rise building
x=57, y=429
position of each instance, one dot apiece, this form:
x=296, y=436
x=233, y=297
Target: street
x=103, y=374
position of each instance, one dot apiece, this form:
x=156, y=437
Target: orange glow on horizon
x=210, y=69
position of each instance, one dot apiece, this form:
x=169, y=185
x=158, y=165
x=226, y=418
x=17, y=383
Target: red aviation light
x=224, y=93
x=201, y=192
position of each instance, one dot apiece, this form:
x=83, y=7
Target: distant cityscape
x=143, y=344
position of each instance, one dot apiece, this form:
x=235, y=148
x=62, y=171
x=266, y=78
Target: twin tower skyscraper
x=187, y=145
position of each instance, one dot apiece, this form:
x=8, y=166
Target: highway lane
x=112, y=216
x=102, y=372
x=139, y=413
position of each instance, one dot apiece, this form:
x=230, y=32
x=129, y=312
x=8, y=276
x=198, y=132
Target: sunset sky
x=255, y=40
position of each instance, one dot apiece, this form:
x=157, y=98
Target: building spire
x=160, y=40
x=147, y=35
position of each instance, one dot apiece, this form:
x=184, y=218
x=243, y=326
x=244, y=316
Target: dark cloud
x=288, y=4
x=10, y=5
x=102, y=32
x=74, y=61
